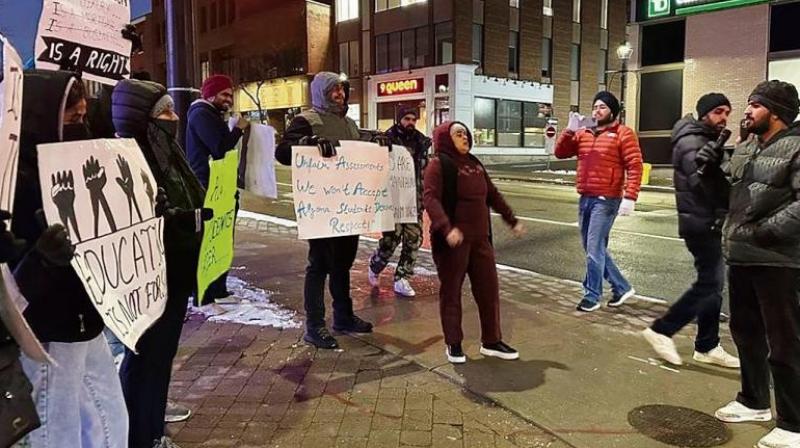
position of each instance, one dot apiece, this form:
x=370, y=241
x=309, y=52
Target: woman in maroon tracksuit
x=458, y=194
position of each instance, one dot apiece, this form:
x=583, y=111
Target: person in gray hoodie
x=323, y=126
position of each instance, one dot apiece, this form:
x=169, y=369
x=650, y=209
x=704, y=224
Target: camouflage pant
x=411, y=237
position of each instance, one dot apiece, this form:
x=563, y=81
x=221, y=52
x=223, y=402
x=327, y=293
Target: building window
x=203, y=19
x=382, y=53
x=547, y=58
x=409, y=49
x=783, y=35
x=509, y=123
x=223, y=12
x=535, y=116
x=348, y=58
x=383, y=5
x=547, y=8
x=513, y=52
x=231, y=11
x=344, y=57
x=395, y=51
x=485, y=128
x=576, y=11
x=504, y=123
x=443, y=34
x=602, y=66
x=604, y=14
x=422, y=46
x=346, y=10
x=213, y=24
x=663, y=43
x=513, y=3
x=405, y=49
x=477, y=44
x=205, y=69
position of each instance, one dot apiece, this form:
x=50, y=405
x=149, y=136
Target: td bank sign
x=664, y=8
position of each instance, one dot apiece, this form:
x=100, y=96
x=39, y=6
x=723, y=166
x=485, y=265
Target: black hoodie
x=59, y=308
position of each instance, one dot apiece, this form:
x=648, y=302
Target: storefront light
x=624, y=51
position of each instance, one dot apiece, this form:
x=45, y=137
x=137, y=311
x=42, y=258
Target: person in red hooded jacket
x=457, y=196
x=609, y=178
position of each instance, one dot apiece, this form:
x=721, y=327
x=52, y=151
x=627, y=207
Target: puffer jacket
x=609, y=161
x=701, y=200
x=763, y=222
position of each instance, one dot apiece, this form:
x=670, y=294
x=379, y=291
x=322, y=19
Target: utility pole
x=179, y=54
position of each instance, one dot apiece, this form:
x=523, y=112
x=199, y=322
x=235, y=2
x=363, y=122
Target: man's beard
x=759, y=128
x=605, y=121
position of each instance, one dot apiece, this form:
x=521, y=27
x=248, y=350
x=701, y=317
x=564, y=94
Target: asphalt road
x=645, y=246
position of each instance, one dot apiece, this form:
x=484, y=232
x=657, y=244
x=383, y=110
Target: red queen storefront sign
x=401, y=87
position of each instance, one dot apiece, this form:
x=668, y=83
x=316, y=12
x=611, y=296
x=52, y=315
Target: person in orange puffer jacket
x=609, y=178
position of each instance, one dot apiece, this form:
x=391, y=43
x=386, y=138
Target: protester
x=404, y=133
x=324, y=126
x=609, y=174
x=144, y=111
x=762, y=249
x=208, y=136
x=701, y=196
x=79, y=397
x=458, y=195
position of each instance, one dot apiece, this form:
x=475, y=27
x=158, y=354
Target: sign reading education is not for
x=103, y=193
x=343, y=195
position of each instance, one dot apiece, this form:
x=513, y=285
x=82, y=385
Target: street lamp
x=624, y=52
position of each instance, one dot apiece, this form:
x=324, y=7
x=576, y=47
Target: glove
x=574, y=122
x=10, y=247
x=326, y=147
x=708, y=155
x=162, y=203
x=626, y=207
x=54, y=245
x=382, y=140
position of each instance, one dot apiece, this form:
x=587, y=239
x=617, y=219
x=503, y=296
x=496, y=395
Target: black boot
x=354, y=325
x=320, y=338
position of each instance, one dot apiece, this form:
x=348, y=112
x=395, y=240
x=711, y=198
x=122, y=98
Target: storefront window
x=485, y=129
x=444, y=43
x=534, y=121
x=442, y=111
x=509, y=123
x=387, y=114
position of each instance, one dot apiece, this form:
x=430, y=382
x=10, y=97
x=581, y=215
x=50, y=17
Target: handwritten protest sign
x=216, y=251
x=259, y=162
x=403, y=185
x=86, y=36
x=103, y=192
x=10, y=121
x=343, y=195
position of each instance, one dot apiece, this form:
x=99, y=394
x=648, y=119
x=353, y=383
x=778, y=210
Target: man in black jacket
x=702, y=201
x=403, y=133
x=761, y=240
x=324, y=126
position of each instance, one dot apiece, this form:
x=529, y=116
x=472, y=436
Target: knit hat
x=215, y=84
x=610, y=100
x=164, y=103
x=404, y=110
x=709, y=102
x=779, y=97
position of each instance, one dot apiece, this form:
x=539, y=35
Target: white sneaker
x=619, y=301
x=780, y=438
x=664, y=346
x=404, y=288
x=374, y=279
x=735, y=412
x=717, y=356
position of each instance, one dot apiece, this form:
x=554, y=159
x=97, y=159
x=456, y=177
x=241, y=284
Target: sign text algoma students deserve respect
x=103, y=193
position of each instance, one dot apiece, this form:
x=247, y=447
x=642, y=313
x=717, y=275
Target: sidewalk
x=582, y=380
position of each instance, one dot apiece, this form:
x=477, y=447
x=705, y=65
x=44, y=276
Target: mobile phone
x=744, y=133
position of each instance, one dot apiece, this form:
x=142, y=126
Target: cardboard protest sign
x=403, y=185
x=259, y=162
x=10, y=121
x=103, y=192
x=85, y=36
x=343, y=195
x=11, y=304
x=216, y=251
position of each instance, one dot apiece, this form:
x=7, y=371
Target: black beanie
x=779, y=97
x=403, y=110
x=709, y=102
x=610, y=100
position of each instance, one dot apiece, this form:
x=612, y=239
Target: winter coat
x=609, y=161
x=132, y=103
x=763, y=222
x=474, y=192
x=702, y=200
x=207, y=135
x=59, y=308
x=418, y=145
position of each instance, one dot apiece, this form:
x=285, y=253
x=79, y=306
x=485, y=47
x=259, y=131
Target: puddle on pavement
x=679, y=426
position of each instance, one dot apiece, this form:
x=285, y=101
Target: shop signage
x=653, y=9
x=401, y=87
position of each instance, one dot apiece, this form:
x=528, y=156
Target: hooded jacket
x=59, y=308
x=132, y=102
x=609, y=161
x=701, y=200
x=763, y=222
x=207, y=135
x=474, y=193
x=326, y=119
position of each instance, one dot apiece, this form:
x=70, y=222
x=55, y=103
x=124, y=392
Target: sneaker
x=587, y=306
x=356, y=325
x=455, y=355
x=618, y=301
x=664, y=346
x=320, y=338
x=499, y=350
x=735, y=412
x=780, y=438
x=374, y=279
x=404, y=288
x=717, y=356
x=176, y=413
x=165, y=442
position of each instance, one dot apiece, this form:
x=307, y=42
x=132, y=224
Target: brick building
x=507, y=68
x=686, y=48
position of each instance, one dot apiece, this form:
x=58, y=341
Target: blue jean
x=79, y=399
x=596, y=217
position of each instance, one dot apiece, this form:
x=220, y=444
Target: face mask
x=168, y=126
x=75, y=132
